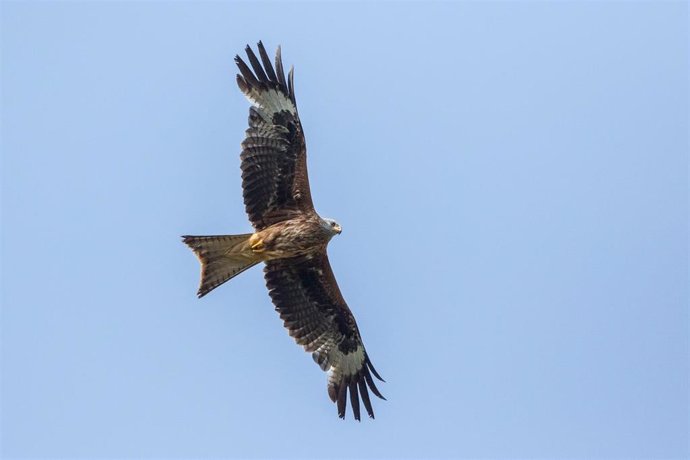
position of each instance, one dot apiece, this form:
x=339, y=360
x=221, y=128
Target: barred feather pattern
x=306, y=296
x=273, y=160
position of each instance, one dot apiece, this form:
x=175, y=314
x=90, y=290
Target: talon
x=256, y=243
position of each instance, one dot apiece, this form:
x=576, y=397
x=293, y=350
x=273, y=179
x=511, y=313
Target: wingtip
x=373, y=370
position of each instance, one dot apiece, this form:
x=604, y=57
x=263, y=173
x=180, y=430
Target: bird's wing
x=274, y=154
x=309, y=301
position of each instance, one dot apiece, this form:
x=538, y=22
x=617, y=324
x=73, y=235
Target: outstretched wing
x=274, y=154
x=309, y=301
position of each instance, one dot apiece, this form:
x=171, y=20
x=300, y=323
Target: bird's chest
x=291, y=238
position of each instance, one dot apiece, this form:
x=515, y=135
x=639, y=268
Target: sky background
x=512, y=182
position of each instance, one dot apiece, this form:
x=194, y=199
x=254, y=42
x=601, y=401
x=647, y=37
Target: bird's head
x=331, y=226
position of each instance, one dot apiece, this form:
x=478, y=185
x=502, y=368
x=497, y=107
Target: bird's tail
x=222, y=258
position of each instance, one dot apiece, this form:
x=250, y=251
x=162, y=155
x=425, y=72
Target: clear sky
x=512, y=182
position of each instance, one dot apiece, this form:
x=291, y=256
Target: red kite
x=289, y=237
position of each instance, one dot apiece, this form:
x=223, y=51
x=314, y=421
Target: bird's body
x=300, y=236
x=289, y=237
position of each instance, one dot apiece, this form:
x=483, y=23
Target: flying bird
x=289, y=237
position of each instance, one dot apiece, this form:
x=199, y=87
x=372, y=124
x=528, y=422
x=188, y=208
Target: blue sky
x=512, y=182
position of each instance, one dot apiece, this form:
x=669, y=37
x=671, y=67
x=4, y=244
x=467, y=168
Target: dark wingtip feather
x=365, y=397
x=262, y=73
x=291, y=84
x=354, y=399
x=246, y=73
x=267, y=62
x=279, y=69
x=342, y=403
x=373, y=371
x=371, y=384
x=258, y=70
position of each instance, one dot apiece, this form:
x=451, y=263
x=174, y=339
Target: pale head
x=331, y=226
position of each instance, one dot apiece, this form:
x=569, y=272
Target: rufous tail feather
x=222, y=258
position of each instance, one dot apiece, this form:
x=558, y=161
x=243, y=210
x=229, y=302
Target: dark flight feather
x=291, y=84
x=279, y=70
x=258, y=70
x=342, y=400
x=308, y=299
x=354, y=398
x=246, y=73
x=371, y=384
x=267, y=62
x=365, y=397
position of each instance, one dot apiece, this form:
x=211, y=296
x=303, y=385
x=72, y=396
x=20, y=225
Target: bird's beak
x=338, y=229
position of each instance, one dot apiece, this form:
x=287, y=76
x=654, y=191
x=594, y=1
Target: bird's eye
x=332, y=224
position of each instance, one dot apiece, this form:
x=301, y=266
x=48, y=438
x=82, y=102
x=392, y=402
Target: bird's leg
x=256, y=243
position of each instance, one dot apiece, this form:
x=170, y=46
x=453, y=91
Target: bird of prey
x=289, y=237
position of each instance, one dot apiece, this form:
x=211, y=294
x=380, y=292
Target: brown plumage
x=290, y=237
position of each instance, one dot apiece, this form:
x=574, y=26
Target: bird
x=289, y=237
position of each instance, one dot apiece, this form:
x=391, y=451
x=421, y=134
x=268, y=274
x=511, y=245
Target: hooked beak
x=338, y=229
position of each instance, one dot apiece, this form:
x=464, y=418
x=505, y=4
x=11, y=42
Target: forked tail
x=222, y=258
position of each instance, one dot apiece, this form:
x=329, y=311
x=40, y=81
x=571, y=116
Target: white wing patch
x=344, y=365
x=269, y=102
